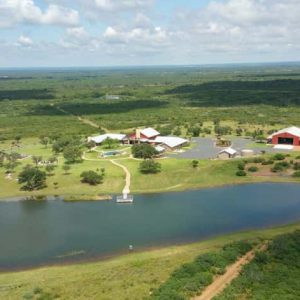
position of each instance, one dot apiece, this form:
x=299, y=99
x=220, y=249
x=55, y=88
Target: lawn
x=176, y=174
x=130, y=276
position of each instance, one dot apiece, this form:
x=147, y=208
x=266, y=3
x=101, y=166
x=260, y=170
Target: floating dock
x=125, y=198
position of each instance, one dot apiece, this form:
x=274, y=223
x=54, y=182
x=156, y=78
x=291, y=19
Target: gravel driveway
x=204, y=148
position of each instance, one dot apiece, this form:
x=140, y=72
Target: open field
x=131, y=276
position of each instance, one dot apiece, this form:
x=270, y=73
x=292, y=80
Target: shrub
x=91, y=177
x=241, y=166
x=279, y=156
x=280, y=166
x=297, y=166
x=258, y=160
x=253, y=169
x=195, y=163
x=240, y=173
x=268, y=162
x=191, y=278
x=149, y=166
x=296, y=174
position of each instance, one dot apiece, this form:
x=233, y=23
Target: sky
x=67, y=33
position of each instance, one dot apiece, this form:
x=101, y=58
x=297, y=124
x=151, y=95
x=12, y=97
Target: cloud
x=146, y=36
x=13, y=12
x=122, y=5
x=24, y=41
x=240, y=26
x=125, y=32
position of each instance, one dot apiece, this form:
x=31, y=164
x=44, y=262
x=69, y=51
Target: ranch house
x=143, y=135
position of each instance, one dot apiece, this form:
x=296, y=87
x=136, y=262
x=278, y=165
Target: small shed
x=227, y=153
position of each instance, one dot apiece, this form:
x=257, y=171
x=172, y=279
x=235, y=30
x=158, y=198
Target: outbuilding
x=170, y=143
x=101, y=138
x=227, y=153
x=286, y=136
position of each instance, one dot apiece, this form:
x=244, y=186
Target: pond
x=35, y=233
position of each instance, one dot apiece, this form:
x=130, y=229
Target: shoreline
x=110, y=196
x=230, y=236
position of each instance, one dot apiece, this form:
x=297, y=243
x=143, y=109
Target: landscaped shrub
x=258, y=160
x=268, y=162
x=279, y=156
x=253, y=169
x=241, y=166
x=280, y=166
x=241, y=173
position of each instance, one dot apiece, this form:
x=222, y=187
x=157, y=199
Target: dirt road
x=126, y=189
x=233, y=271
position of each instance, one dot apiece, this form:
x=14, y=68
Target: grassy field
x=127, y=277
x=177, y=174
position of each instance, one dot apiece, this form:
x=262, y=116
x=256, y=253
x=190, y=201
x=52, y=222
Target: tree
x=33, y=178
x=2, y=158
x=18, y=139
x=90, y=145
x=194, y=131
x=72, y=153
x=66, y=168
x=49, y=169
x=37, y=159
x=44, y=141
x=149, y=166
x=91, y=177
x=195, y=163
x=177, y=131
x=53, y=160
x=110, y=143
x=145, y=151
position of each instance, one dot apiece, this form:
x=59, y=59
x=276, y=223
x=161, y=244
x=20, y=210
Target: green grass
x=176, y=175
x=130, y=276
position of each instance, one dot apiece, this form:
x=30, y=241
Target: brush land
x=242, y=100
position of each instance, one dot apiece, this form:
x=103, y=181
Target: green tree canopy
x=33, y=178
x=143, y=151
x=91, y=177
x=149, y=166
x=72, y=153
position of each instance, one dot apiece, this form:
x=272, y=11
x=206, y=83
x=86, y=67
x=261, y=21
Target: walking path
x=233, y=271
x=126, y=189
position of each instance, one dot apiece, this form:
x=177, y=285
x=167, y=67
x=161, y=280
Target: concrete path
x=233, y=271
x=126, y=189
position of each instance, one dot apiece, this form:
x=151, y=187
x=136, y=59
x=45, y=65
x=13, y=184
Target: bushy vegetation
x=42, y=103
x=92, y=177
x=273, y=274
x=150, y=166
x=145, y=151
x=191, y=278
x=32, y=178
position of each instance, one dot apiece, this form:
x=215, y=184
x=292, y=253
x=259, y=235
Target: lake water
x=35, y=233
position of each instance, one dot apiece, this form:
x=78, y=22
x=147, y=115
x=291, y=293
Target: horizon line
x=151, y=66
